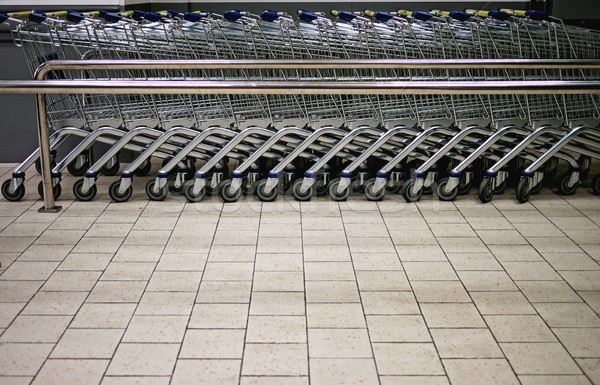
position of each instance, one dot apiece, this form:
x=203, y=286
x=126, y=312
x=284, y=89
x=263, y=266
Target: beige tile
x=591, y=367
x=339, y=343
x=539, y=358
x=389, y=302
x=219, y=316
x=429, y=271
x=128, y=271
x=487, y=223
x=174, y=281
x=414, y=380
x=279, y=245
x=188, y=245
x=343, y=371
x=382, y=280
x=582, y=280
x=8, y=312
x=26, y=359
x=160, y=303
x=272, y=230
x=462, y=245
x=206, y=372
x=329, y=271
x=282, y=329
x=106, y=230
x=121, y=216
x=224, y=292
x=181, y=262
x=103, y=315
x=29, y=271
x=486, y=281
x=457, y=230
x=117, y=291
x=501, y=237
x=232, y=253
x=571, y=261
x=25, y=229
x=12, y=244
x=72, y=281
x=555, y=380
x=548, y=291
x=592, y=298
x=559, y=315
x=36, y=329
x=278, y=262
x=58, y=372
x=156, y=328
x=465, y=343
x=554, y=245
x=446, y=217
x=538, y=230
x=515, y=253
x=238, y=224
x=421, y=253
x=407, y=359
x=6, y=259
x=370, y=261
x=371, y=245
x=275, y=360
x=524, y=216
x=274, y=380
x=135, y=380
x=14, y=380
x=55, y=303
x=397, y=328
x=369, y=217
x=335, y=315
x=138, y=253
x=480, y=371
x=531, y=271
x=580, y=342
x=322, y=223
x=87, y=343
x=440, y=291
x=473, y=261
x=277, y=303
x=444, y=315
x=573, y=223
x=584, y=237
x=474, y=209
x=75, y=262
x=147, y=237
x=358, y=230
x=144, y=360
x=18, y=291
x=228, y=271
x=278, y=281
x=44, y=253
x=414, y=222
x=519, y=328
x=502, y=302
x=592, y=250
x=413, y=237
x=235, y=237
x=213, y=343
x=97, y=245
x=325, y=253
x=324, y=237
x=160, y=223
x=331, y=291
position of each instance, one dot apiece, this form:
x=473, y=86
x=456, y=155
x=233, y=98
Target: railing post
x=44, y=142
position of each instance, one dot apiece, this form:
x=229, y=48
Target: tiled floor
x=285, y=293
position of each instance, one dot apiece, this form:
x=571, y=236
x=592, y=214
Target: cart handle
x=381, y=16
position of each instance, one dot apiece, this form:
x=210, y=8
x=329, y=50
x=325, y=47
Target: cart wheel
x=443, y=195
x=536, y=189
x=333, y=193
x=113, y=191
x=563, y=187
x=171, y=184
x=38, y=164
x=501, y=188
x=464, y=188
x=523, y=191
x=584, y=162
x=301, y=196
x=261, y=194
x=595, y=185
x=227, y=195
x=486, y=192
x=408, y=194
x=56, y=190
x=394, y=188
x=188, y=192
x=370, y=194
x=14, y=196
x=111, y=170
x=81, y=196
x=160, y=196
x=144, y=169
x=321, y=187
x=357, y=187
x=77, y=171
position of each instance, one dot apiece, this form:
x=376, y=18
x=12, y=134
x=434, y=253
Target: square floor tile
x=87, y=343
x=26, y=359
x=55, y=303
x=71, y=372
x=429, y=271
x=28, y=271
x=143, y=360
x=128, y=271
x=329, y=271
x=219, y=316
x=275, y=360
x=502, y=302
x=591, y=367
x=224, y=292
x=103, y=315
x=440, y=291
x=278, y=281
x=232, y=253
x=473, y=261
x=421, y=253
x=335, y=315
x=582, y=280
x=407, y=359
x=117, y=291
x=174, y=281
x=324, y=253
x=278, y=262
x=378, y=280
x=480, y=371
x=571, y=261
x=181, y=262
x=531, y=271
x=331, y=292
x=206, y=372
x=444, y=315
x=18, y=291
x=8, y=312
x=580, y=342
x=559, y=315
x=539, y=358
x=389, y=302
x=160, y=303
x=462, y=245
x=228, y=271
x=85, y=262
x=370, y=245
x=36, y=329
x=44, y=253
x=279, y=245
x=156, y=328
x=554, y=380
x=324, y=237
x=412, y=237
x=343, y=371
x=548, y=291
x=379, y=262
x=277, y=303
x=516, y=253
x=339, y=343
x=398, y=328
x=519, y=328
x=466, y=343
x=283, y=329
x=213, y=343
x=72, y=281
x=139, y=253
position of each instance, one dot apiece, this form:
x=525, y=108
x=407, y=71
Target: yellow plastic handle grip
x=440, y=12
x=57, y=14
x=369, y=13
x=403, y=12
x=126, y=13
x=335, y=12
x=19, y=15
x=478, y=12
x=516, y=12
x=91, y=14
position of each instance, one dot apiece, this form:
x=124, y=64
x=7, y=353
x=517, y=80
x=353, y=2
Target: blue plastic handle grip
x=537, y=15
x=173, y=13
x=152, y=17
x=307, y=15
x=344, y=15
x=3, y=17
x=232, y=15
x=500, y=15
x=138, y=15
x=383, y=16
x=269, y=15
x=460, y=16
x=192, y=16
x=423, y=16
x=74, y=16
x=37, y=17
x=110, y=16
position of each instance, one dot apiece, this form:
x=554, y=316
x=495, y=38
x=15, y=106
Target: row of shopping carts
x=270, y=144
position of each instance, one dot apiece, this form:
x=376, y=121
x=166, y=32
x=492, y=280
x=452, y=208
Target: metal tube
x=44, y=142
